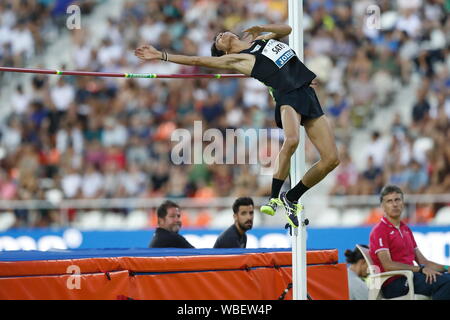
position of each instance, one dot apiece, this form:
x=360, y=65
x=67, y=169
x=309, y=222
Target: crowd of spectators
x=27, y=27
x=413, y=154
x=91, y=137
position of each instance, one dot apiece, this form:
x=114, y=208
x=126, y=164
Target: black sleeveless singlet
x=277, y=66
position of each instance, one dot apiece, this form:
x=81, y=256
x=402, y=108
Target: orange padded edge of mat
x=168, y=263
x=255, y=276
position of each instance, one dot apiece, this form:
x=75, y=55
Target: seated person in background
x=357, y=269
x=169, y=224
x=393, y=247
x=234, y=236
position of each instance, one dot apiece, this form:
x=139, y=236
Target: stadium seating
x=327, y=217
x=222, y=219
x=137, y=219
x=353, y=217
x=7, y=220
x=106, y=42
x=113, y=221
x=89, y=220
x=442, y=217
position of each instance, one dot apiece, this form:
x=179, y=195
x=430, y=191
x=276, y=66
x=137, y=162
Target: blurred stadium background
x=90, y=153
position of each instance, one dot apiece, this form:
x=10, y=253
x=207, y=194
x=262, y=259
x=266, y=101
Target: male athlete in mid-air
x=262, y=56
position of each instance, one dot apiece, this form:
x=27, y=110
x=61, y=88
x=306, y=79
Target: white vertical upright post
x=299, y=285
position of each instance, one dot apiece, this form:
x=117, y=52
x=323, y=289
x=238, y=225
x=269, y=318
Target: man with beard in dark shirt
x=169, y=223
x=234, y=236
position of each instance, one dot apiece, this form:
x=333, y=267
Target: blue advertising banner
x=434, y=242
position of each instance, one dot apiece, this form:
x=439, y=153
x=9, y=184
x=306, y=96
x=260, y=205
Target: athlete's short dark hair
x=214, y=51
x=243, y=201
x=388, y=190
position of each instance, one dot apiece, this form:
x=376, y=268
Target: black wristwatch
x=421, y=269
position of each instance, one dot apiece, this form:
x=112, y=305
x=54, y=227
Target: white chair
x=353, y=217
x=137, y=219
x=113, y=221
x=7, y=220
x=222, y=219
x=376, y=280
x=89, y=220
x=329, y=217
x=442, y=217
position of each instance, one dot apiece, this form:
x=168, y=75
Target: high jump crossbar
x=123, y=75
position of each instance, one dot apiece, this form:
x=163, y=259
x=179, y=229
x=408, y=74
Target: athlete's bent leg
x=321, y=136
x=291, y=125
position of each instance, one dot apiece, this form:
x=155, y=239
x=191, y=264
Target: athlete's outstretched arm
x=229, y=61
x=276, y=31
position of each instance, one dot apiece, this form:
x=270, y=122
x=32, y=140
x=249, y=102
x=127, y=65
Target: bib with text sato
x=278, y=52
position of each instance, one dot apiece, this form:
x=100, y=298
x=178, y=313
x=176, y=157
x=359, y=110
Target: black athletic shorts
x=303, y=100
